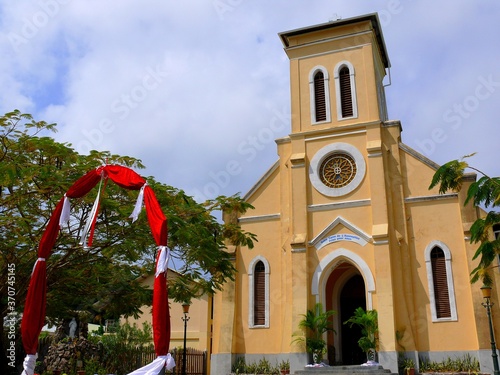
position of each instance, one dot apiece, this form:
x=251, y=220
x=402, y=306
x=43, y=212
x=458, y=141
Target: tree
x=483, y=192
x=36, y=171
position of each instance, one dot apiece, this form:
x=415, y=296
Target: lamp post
x=486, y=290
x=185, y=318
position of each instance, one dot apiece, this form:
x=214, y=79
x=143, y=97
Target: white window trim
x=312, y=73
x=336, y=71
x=251, y=301
x=449, y=279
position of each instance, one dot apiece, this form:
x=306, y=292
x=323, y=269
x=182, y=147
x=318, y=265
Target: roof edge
x=372, y=17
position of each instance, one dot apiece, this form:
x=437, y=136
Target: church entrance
x=352, y=296
x=345, y=291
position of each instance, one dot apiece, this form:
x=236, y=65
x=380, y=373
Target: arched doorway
x=352, y=296
x=343, y=278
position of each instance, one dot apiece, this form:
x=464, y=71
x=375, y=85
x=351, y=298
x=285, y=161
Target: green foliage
x=239, y=366
x=407, y=363
x=465, y=364
x=284, y=365
x=483, y=192
x=316, y=323
x=261, y=367
x=93, y=366
x=368, y=322
x=120, y=351
x=449, y=176
x=199, y=241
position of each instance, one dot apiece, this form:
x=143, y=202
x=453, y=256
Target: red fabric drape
x=161, y=315
x=156, y=218
x=34, y=309
x=124, y=177
x=84, y=184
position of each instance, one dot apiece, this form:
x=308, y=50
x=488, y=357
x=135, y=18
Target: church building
x=345, y=218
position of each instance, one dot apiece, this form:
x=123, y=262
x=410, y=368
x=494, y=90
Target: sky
x=195, y=88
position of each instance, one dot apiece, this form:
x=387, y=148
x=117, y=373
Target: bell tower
x=334, y=161
x=336, y=73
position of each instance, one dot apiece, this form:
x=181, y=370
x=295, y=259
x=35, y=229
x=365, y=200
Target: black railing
x=196, y=361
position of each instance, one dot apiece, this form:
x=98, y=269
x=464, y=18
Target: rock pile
x=65, y=354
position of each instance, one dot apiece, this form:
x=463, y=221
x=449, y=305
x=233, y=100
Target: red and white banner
x=34, y=310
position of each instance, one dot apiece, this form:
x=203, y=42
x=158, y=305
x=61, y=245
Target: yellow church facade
x=345, y=218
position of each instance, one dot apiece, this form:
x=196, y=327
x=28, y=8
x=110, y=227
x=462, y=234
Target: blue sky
x=199, y=90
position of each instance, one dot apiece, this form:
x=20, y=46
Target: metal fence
x=196, y=361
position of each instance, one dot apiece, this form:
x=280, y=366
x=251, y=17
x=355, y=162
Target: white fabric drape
x=64, y=218
x=38, y=260
x=138, y=204
x=155, y=367
x=162, y=260
x=29, y=364
x=90, y=219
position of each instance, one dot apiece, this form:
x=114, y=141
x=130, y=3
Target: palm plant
x=368, y=322
x=316, y=323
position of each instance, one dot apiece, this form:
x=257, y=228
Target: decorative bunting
x=34, y=308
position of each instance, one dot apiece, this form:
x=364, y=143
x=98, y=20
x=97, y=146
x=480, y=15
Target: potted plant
x=408, y=366
x=368, y=322
x=316, y=323
x=285, y=367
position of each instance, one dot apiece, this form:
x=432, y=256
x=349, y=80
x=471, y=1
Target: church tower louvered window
x=319, y=96
x=345, y=91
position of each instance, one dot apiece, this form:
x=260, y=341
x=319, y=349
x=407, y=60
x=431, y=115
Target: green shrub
x=121, y=351
x=239, y=366
x=464, y=364
x=261, y=367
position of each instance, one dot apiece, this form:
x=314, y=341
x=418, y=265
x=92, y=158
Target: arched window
x=345, y=90
x=259, y=294
x=440, y=279
x=320, y=98
x=258, y=282
x=441, y=295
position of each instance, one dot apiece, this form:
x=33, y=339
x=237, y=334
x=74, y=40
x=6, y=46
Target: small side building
x=198, y=333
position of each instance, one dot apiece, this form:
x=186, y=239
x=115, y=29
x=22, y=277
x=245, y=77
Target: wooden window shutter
x=259, y=297
x=319, y=96
x=441, y=294
x=345, y=92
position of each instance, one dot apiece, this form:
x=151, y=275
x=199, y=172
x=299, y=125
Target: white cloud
x=190, y=87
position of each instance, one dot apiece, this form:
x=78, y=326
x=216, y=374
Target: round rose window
x=337, y=170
